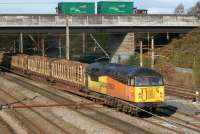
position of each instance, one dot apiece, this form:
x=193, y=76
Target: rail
x=186, y=93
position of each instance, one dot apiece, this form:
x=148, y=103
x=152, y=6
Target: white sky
x=48, y=6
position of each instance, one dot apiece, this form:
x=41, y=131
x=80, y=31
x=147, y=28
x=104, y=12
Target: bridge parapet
x=98, y=20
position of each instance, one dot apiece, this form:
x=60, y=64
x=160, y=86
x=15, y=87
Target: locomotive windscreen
x=148, y=81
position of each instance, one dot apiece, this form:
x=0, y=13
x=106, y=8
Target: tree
x=195, y=10
x=179, y=9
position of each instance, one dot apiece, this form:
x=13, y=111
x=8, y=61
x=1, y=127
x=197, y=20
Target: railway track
x=25, y=123
x=5, y=128
x=33, y=125
x=181, y=92
x=190, y=119
x=172, y=128
x=119, y=125
x=186, y=122
x=179, y=122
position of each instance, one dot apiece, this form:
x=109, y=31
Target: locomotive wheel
x=119, y=107
x=125, y=108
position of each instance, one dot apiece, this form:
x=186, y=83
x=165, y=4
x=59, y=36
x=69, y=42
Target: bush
x=134, y=60
x=181, y=52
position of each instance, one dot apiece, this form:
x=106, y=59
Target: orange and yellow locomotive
x=142, y=86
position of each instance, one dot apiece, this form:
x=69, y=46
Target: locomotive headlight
x=197, y=93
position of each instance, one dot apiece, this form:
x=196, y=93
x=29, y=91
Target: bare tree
x=179, y=9
x=195, y=10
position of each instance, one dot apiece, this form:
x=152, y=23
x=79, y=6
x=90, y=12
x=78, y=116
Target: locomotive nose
x=149, y=94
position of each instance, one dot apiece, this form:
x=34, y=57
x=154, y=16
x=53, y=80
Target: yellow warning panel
x=149, y=94
x=99, y=86
x=103, y=82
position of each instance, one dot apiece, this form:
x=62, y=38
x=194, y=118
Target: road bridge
x=122, y=47
x=51, y=23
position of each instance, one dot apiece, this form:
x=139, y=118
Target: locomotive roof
x=118, y=69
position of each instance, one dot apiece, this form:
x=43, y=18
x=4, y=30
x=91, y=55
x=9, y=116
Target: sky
x=48, y=6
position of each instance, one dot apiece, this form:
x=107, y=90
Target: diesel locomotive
x=141, y=86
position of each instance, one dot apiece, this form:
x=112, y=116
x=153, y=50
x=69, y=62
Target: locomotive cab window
x=131, y=81
x=94, y=77
x=146, y=81
x=156, y=81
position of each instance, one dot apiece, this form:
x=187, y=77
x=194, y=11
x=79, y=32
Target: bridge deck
x=51, y=23
x=98, y=20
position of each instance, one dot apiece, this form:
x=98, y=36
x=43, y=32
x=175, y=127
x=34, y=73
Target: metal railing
x=98, y=20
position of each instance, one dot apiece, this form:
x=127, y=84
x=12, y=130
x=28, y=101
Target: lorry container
x=115, y=7
x=76, y=8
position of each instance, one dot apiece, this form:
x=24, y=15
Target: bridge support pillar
x=152, y=52
x=14, y=47
x=168, y=37
x=60, y=46
x=43, y=47
x=125, y=48
x=83, y=39
x=141, y=54
x=148, y=40
x=67, y=38
x=21, y=43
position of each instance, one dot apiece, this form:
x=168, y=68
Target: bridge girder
x=61, y=30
